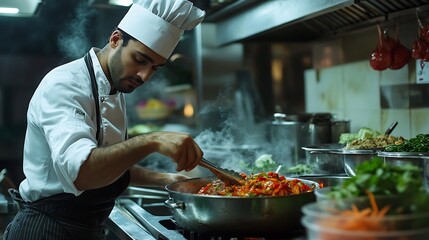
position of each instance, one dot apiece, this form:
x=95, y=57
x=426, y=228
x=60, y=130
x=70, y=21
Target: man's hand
x=105, y=165
x=180, y=147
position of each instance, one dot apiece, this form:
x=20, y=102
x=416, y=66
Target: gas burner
x=155, y=218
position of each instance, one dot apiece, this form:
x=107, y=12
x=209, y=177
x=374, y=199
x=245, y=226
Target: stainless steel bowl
x=324, y=158
x=418, y=159
x=326, y=180
x=326, y=221
x=352, y=158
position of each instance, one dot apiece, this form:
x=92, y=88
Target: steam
x=230, y=136
x=237, y=139
x=74, y=42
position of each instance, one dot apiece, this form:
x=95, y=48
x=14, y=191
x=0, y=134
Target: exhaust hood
x=21, y=8
x=110, y=3
x=305, y=20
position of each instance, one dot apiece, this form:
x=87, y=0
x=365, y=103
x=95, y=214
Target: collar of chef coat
x=108, y=107
x=103, y=83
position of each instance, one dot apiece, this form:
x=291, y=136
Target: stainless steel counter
x=122, y=226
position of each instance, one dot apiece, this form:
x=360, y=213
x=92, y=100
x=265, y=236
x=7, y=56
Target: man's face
x=132, y=65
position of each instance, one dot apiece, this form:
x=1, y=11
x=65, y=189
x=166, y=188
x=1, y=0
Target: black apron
x=65, y=216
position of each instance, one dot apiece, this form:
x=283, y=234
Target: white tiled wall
x=324, y=91
x=352, y=91
x=419, y=121
x=360, y=80
x=388, y=116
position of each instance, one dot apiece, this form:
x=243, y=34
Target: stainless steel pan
x=235, y=216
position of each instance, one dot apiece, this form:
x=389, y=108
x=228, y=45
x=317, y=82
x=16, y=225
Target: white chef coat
x=61, y=127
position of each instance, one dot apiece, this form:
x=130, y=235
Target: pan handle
x=171, y=204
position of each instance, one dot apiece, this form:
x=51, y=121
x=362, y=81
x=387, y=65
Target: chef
x=77, y=158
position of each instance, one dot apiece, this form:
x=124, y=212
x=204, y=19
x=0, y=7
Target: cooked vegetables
x=261, y=184
x=367, y=138
x=420, y=143
x=380, y=141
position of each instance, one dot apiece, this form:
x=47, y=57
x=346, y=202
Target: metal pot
x=291, y=133
x=235, y=216
x=339, y=127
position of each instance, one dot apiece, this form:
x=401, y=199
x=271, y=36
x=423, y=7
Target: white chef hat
x=159, y=24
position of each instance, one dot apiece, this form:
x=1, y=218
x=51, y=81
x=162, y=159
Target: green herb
x=381, y=179
x=263, y=163
x=420, y=143
x=299, y=169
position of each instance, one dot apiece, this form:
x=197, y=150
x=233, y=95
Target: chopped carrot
x=367, y=219
x=373, y=203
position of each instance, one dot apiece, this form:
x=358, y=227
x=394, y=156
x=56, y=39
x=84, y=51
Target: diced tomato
x=261, y=184
x=276, y=185
x=277, y=190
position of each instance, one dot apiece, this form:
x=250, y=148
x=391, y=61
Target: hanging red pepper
x=420, y=47
x=381, y=57
x=400, y=54
x=424, y=33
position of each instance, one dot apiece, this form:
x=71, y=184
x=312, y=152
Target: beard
x=125, y=84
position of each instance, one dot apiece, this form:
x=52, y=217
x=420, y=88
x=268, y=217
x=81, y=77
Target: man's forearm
x=105, y=165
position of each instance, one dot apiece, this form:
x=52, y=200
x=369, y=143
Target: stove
x=144, y=216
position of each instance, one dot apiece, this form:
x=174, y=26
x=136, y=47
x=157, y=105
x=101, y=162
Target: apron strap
x=94, y=87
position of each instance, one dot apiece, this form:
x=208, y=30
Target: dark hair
x=125, y=36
